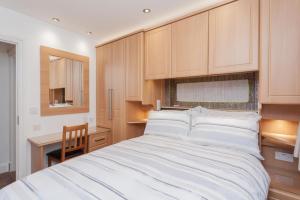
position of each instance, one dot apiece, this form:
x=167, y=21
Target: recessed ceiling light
x=147, y=10
x=55, y=19
x=89, y=33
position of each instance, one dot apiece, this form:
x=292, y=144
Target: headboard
x=225, y=85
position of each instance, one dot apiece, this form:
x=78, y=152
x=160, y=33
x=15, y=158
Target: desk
x=98, y=138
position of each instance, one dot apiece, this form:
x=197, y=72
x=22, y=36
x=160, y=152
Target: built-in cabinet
x=134, y=67
x=219, y=41
x=280, y=52
x=233, y=37
x=64, y=74
x=190, y=46
x=57, y=74
x=123, y=96
x=111, y=88
x=117, y=92
x=158, y=53
x=69, y=81
x=103, y=88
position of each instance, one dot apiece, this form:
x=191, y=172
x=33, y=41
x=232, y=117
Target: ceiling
x=106, y=19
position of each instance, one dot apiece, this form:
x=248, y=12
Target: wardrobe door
x=103, y=88
x=190, y=46
x=280, y=53
x=158, y=53
x=134, y=50
x=118, y=90
x=233, y=37
x=69, y=81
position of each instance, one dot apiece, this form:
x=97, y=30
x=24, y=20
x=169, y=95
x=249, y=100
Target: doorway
x=7, y=113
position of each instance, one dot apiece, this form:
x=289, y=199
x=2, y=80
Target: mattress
x=149, y=167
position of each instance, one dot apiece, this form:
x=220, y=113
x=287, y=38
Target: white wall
x=34, y=33
x=4, y=109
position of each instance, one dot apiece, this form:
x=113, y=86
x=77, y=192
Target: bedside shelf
x=278, y=140
x=137, y=122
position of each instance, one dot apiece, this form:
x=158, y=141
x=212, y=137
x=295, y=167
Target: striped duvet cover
x=148, y=167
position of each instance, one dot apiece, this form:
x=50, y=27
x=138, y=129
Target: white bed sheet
x=148, y=167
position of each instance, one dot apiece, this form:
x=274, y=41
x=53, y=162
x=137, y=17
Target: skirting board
x=4, y=167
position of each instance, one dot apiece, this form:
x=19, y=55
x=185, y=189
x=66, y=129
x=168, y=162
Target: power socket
x=287, y=157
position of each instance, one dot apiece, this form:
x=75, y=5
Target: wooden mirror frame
x=45, y=52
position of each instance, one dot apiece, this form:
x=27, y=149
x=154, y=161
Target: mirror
x=64, y=82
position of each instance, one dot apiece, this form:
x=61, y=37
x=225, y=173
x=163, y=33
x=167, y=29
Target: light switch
x=284, y=156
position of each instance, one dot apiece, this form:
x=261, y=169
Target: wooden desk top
x=54, y=138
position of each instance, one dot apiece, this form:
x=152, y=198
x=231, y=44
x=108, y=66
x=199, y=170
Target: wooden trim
x=278, y=194
x=120, y=38
x=218, y=4
x=45, y=52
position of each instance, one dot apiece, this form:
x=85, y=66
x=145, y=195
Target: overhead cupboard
x=223, y=39
x=218, y=41
x=280, y=52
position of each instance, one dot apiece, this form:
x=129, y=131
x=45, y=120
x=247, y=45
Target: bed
x=192, y=155
x=149, y=167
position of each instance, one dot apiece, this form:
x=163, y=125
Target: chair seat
x=57, y=154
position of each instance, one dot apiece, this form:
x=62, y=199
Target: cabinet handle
x=110, y=104
x=98, y=140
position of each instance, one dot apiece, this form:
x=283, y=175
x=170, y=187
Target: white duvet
x=148, y=167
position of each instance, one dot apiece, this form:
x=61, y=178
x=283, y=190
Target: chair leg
x=49, y=161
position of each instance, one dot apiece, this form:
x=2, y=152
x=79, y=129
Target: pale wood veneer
x=39, y=143
x=134, y=67
x=233, y=37
x=45, y=52
x=190, y=46
x=280, y=50
x=158, y=53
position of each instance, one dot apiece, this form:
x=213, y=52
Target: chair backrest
x=74, y=138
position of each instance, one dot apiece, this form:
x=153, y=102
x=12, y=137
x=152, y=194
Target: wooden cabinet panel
x=69, y=81
x=57, y=73
x=134, y=50
x=158, y=53
x=61, y=73
x=77, y=84
x=52, y=81
x=118, y=74
x=233, y=37
x=280, y=60
x=103, y=81
x=118, y=90
x=190, y=46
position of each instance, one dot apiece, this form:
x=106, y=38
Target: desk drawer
x=97, y=140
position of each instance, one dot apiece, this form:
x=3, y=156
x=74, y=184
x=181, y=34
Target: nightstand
x=285, y=177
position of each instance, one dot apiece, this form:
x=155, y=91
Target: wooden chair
x=74, y=143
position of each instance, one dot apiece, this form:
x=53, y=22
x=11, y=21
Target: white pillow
x=235, y=114
x=168, y=123
x=236, y=130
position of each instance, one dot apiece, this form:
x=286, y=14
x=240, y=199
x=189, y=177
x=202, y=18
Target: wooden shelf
x=175, y=108
x=137, y=122
x=278, y=140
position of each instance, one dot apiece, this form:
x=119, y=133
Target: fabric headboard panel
x=190, y=92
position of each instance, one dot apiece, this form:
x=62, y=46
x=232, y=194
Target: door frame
x=19, y=99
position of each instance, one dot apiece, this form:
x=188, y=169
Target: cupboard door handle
x=110, y=104
x=99, y=140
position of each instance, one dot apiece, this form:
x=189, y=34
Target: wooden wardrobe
x=123, y=96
